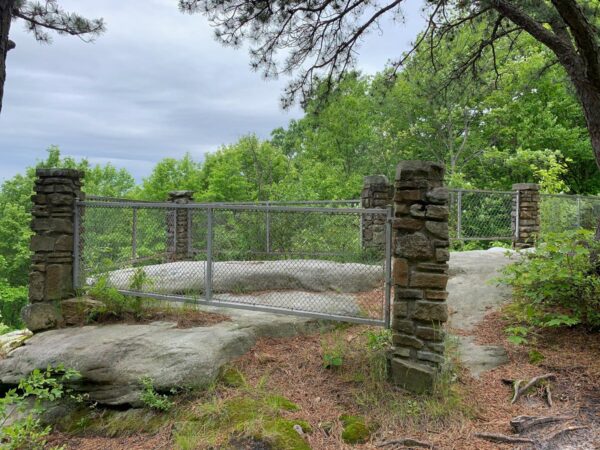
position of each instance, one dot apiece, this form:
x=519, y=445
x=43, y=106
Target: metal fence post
x=518, y=215
x=209, y=255
x=190, y=247
x=459, y=218
x=76, y=245
x=268, y=228
x=388, y=266
x=134, y=234
x=579, y=211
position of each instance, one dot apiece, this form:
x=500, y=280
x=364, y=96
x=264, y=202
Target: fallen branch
x=521, y=424
x=407, y=442
x=535, y=380
x=503, y=439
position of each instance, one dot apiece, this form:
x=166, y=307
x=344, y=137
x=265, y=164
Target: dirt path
x=473, y=293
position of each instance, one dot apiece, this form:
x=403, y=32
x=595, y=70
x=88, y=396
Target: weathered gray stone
x=405, y=340
x=438, y=195
x=413, y=376
x=428, y=280
x=437, y=212
x=414, y=246
x=406, y=223
x=430, y=333
x=431, y=357
x=41, y=316
x=113, y=358
x=75, y=310
x=431, y=311
x=439, y=229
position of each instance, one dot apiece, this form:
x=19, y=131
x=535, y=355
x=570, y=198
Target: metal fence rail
x=307, y=261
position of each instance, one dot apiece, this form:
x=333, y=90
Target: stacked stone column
x=51, y=275
x=525, y=214
x=420, y=274
x=179, y=227
x=377, y=193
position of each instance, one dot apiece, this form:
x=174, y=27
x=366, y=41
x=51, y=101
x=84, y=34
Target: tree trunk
x=6, y=7
x=589, y=96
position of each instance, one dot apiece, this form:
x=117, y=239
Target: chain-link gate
x=307, y=261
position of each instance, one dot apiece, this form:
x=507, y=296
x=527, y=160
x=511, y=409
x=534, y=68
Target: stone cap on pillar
x=371, y=180
x=415, y=169
x=181, y=196
x=526, y=187
x=59, y=173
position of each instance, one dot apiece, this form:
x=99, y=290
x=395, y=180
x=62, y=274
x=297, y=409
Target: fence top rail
x=573, y=196
x=230, y=206
x=480, y=191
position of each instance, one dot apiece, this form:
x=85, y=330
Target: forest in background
x=516, y=121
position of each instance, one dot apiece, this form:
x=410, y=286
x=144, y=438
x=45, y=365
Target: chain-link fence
x=561, y=212
x=305, y=260
x=480, y=215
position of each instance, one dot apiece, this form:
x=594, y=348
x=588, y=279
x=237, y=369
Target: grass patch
x=249, y=415
x=365, y=364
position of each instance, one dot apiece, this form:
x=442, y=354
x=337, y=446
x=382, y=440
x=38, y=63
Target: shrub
x=28, y=432
x=557, y=285
x=12, y=300
x=153, y=399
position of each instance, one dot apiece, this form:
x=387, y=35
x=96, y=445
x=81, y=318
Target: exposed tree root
x=521, y=424
x=407, y=442
x=519, y=391
x=564, y=431
x=503, y=439
x=548, y=394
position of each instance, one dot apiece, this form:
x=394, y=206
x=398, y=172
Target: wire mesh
x=480, y=215
x=302, y=260
x=559, y=212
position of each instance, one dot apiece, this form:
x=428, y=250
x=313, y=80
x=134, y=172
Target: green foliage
x=115, y=303
x=535, y=357
x=43, y=386
x=555, y=286
x=12, y=300
x=153, y=399
x=332, y=361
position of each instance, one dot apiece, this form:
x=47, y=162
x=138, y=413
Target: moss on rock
x=355, y=430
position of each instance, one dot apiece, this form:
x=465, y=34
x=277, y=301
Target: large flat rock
x=253, y=276
x=113, y=358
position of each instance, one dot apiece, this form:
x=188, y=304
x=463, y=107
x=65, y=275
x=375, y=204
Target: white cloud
x=156, y=84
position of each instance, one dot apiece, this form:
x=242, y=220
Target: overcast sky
x=156, y=84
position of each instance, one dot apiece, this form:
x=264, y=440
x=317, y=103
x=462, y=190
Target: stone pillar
x=377, y=193
x=179, y=227
x=51, y=275
x=420, y=274
x=525, y=214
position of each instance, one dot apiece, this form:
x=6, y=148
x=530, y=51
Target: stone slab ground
x=113, y=358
